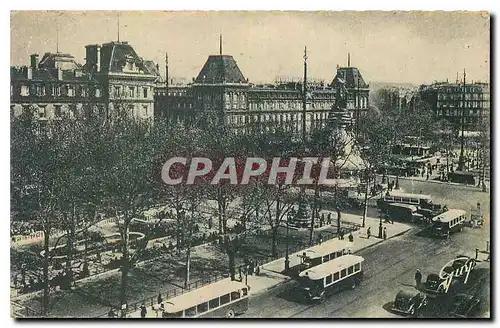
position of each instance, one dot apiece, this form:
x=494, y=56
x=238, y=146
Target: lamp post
x=287, y=258
x=380, y=226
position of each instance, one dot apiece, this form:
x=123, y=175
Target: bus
x=448, y=222
x=404, y=212
x=224, y=298
x=322, y=280
x=323, y=253
x=422, y=202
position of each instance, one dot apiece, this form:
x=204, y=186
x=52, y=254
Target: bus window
x=332, y=256
x=173, y=315
x=335, y=276
x=326, y=258
x=328, y=279
x=203, y=307
x=191, y=312
x=235, y=296
x=343, y=273
x=414, y=200
x=244, y=292
x=350, y=270
x=224, y=299
x=339, y=253
x=214, y=303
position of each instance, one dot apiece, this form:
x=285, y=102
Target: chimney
x=93, y=58
x=29, y=73
x=59, y=74
x=98, y=59
x=34, y=61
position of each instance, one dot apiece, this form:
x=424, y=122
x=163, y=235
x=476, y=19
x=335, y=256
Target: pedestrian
x=341, y=234
x=369, y=232
x=385, y=233
x=240, y=273
x=329, y=218
x=143, y=310
x=257, y=270
x=320, y=239
x=418, y=278
x=159, y=299
x=351, y=237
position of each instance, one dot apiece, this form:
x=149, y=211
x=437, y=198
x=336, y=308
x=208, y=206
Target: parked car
x=433, y=285
x=409, y=301
x=464, y=306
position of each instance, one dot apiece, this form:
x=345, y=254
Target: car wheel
x=230, y=313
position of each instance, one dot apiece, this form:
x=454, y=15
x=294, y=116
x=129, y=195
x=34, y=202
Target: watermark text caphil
x=237, y=170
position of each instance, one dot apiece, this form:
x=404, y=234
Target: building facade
x=452, y=101
x=113, y=75
x=220, y=90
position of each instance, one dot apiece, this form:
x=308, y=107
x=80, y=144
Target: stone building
x=113, y=75
x=52, y=87
x=452, y=100
x=221, y=92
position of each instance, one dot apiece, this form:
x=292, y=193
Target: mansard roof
x=220, y=69
x=114, y=56
x=349, y=76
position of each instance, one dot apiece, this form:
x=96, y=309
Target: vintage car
x=464, y=306
x=433, y=284
x=409, y=301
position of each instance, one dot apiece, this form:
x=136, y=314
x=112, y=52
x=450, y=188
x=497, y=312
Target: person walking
x=368, y=233
x=385, y=233
x=143, y=310
x=351, y=237
x=159, y=299
x=418, y=278
x=320, y=239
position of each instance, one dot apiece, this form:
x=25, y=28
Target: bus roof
x=202, y=294
x=412, y=207
x=327, y=248
x=449, y=215
x=320, y=271
x=403, y=194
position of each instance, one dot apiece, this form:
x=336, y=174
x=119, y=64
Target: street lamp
x=287, y=258
x=380, y=226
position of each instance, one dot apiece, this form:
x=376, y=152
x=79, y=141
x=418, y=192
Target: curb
x=382, y=240
x=438, y=182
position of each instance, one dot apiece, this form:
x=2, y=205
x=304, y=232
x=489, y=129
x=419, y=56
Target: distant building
x=397, y=98
x=452, y=100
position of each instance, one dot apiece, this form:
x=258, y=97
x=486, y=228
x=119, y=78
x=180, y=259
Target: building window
x=24, y=90
x=41, y=112
x=145, y=92
x=71, y=91
x=117, y=92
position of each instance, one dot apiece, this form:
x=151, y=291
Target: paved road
x=388, y=267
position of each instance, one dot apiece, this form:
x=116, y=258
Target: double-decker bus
x=224, y=298
x=323, y=253
x=322, y=280
x=448, y=222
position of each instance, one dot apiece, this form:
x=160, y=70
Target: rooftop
x=220, y=69
x=350, y=76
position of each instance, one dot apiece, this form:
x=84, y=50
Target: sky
x=392, y=47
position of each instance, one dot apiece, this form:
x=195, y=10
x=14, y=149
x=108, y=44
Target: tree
x=127, y=172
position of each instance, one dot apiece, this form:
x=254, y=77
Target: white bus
x=420, y=200
x=320, y=281
x=323, y=253
x=224, y=298
x=448, y=222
